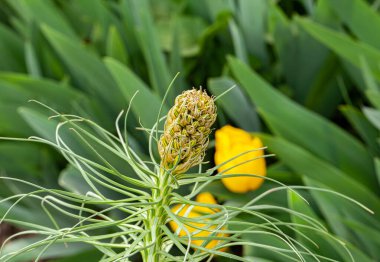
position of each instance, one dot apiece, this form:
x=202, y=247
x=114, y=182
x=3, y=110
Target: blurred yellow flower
x=198, y=211
x=230, y=142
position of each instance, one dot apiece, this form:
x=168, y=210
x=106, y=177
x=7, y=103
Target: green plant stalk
x=157, y=217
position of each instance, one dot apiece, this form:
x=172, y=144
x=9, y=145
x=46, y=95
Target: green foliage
x=307, y=82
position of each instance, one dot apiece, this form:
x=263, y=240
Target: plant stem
x=156, y=218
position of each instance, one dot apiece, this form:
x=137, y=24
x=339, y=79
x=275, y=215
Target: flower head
x=230, y=142
x=186, y=131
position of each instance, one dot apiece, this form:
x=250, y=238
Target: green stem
x=156, y=218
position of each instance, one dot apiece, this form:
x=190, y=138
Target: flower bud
x=186, y=131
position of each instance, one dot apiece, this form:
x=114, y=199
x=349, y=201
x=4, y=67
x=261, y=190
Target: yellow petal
x=197, y=212
x=230, y=142
x=206, y=198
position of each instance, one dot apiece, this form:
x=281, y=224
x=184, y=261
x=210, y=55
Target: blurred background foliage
x=307, y=75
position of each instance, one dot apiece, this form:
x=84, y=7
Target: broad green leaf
x=129, y=84
x=21, y=160
x=190, y=29
x=97, y=152
x=54, y=251
x=368, y=78
x=16, y=90
x=72, y=180
x=21, y=212
x=324, y=94
x=200, y=8
x=148, y=39
x=44, y=12
x=374, y=98
x=277, y=18
x=127, y=17
x=327, y=177
x=365, y=129
x=343, y=45
x=216, y=7
x=235, y=104
x=307, y=65
x=46, y=128
x=373, y=116
x=276, y=171
x=31, y=163
x=176, y=60
x=11, y=124
x=91, y=20
x=238, y=41
x=39, y=122
x=92, y=255
x=323, y=14
x=269, y=240
x=337, y=217
x=327, y=246
x=279, y=171
x=377, y=165
x=89, y=73
x=237, y=199
x=373, y=235
x=366, y=82
x=306, y=129
x=309, y=5
x=11, y=51
x=310, y=166
x=20, y=88
x=361, y=18
x=256, y=259
x=253, y=26
x=115, y=47
x=32, y=60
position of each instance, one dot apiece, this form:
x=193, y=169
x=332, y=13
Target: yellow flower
x=230, y=142
x=198, y=211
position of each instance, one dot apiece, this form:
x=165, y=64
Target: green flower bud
x=186, y=131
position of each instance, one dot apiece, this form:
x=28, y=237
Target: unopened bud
x=186, y=131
